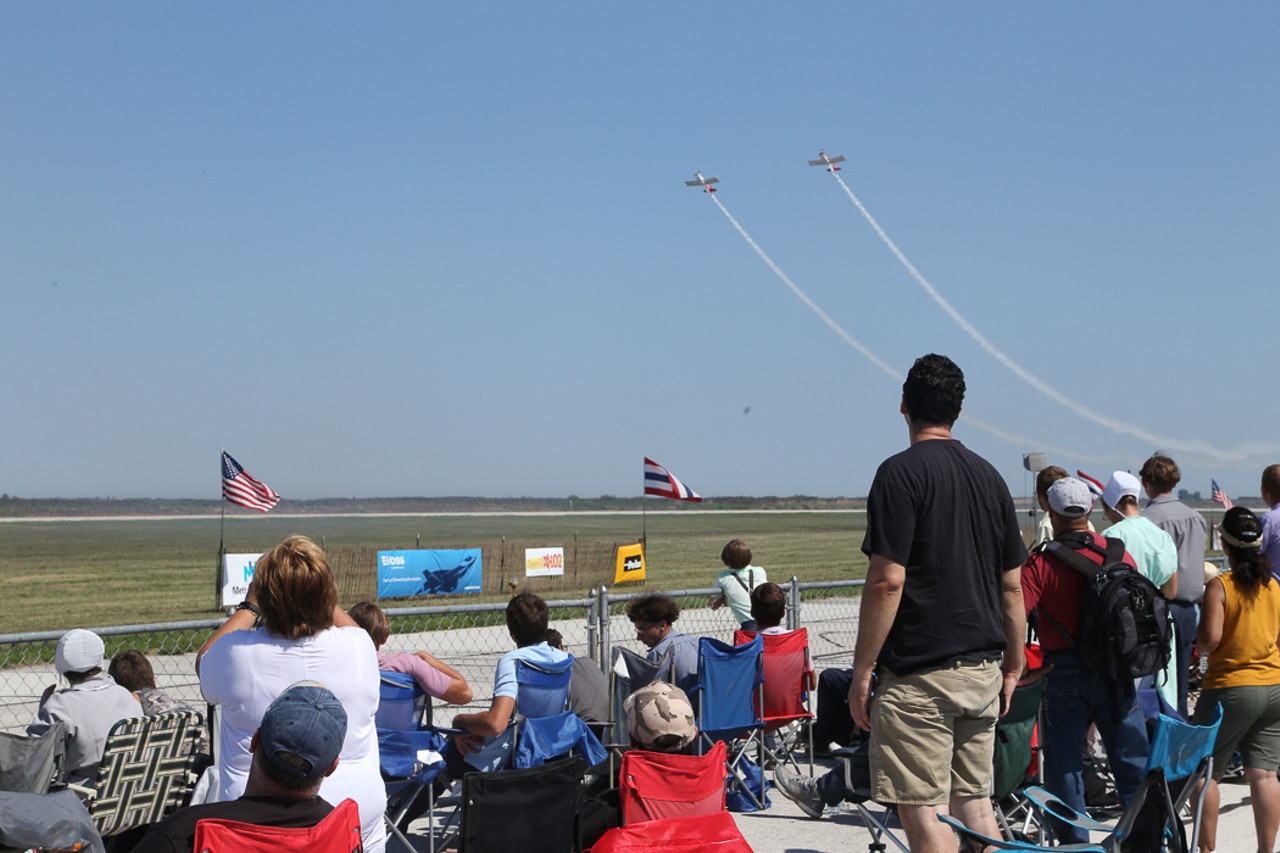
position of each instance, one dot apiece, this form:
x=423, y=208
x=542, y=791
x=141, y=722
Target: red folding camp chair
x=788, y=676
x=337, y=833
x=711, y=833
x=657, y=785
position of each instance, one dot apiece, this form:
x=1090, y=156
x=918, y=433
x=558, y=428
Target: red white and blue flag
x=1095, y=486
x=1220, y=496
x=242, y=490
x=661, y=482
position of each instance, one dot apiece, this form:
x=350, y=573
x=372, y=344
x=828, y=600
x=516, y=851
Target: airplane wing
x=817, y=163
x=711, y=180
x=837, y=159
x=693, y=183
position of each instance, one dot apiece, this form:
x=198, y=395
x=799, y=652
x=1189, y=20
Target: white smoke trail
x=1238, y=454
x=1004, y=435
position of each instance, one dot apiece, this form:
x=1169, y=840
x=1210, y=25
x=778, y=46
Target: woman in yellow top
x=1239, y=628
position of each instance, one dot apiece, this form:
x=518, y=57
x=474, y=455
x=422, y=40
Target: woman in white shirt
x=289, y=629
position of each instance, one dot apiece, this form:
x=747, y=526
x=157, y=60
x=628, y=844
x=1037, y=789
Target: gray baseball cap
x=1070, y=497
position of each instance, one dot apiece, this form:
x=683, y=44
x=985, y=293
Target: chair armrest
x=1052, y=806
x=1000, y=844
x=81, y=791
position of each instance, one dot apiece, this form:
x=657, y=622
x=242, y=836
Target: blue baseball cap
x=303, y=730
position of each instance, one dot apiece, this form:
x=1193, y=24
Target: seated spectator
x=89, y=706
x=294, y=749
x=527, y=624
x=654, y=615
x=436, y=678
x=660, y=718
x=832, y=722
x=588, y=685
x=133, y=672
x=768, y=609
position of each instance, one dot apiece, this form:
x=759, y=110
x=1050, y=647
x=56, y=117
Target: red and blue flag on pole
x=242, y=490
x=1094, y=484
x=661, y=482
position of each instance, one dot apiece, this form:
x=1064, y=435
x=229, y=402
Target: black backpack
x=1124, y=620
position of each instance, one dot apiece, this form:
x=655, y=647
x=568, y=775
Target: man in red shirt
x=1077, y=695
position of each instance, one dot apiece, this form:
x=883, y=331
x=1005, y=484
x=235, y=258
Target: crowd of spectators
x=297, y=680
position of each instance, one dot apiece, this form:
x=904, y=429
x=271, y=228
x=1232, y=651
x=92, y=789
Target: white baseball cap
x=78, y=651
x=1121, y=484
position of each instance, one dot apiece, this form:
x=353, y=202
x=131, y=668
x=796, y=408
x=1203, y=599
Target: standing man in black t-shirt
x=941, y=624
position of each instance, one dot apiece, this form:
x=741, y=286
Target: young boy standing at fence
x=737, y=581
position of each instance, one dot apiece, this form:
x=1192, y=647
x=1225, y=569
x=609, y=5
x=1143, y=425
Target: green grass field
x=63, y=574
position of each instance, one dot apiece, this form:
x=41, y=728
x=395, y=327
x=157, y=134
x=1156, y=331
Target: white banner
x=237, y=571
x=543, y=562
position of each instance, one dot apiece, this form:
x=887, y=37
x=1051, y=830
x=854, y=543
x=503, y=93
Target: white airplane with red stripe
x=700, y=181
x=829, y=162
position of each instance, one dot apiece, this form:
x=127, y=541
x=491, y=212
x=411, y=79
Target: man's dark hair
x=654, y=607
x=1047, y=477
x=132, y=671
x=555, y=639
x=933, y=391
x=736, y=555
x=1271, y=481
x=286, y=780
x=81, y=677
x=1162, y=472
x=768, y=605
x=527, y=619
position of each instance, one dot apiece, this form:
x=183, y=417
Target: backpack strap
x=1067, y=548
x=750, y=583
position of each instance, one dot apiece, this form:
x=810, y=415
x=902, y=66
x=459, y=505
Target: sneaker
x=801, y=790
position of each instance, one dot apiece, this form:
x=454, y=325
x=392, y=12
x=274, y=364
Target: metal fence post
x=592, y=623
x=602, y=608
x=793, y=606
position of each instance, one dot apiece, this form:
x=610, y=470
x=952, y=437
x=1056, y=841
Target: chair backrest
x=711, y=833
x=533, y=810
x=339, y=832
x=656, y=785
x=543, y=688
x=1015, y=732
x=402, y=705
x=1179, y=748
x=729, y=679
x=542, y=739
x=145, y=771
x=786, y=667
x=31, y=765
x=640, y=671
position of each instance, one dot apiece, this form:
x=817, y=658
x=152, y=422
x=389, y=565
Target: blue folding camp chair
x=544, y=727
x=1181, y=757
x=730, y=692
x=404, y=741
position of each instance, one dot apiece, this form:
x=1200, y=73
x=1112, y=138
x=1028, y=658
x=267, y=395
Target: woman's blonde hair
x=296, y=590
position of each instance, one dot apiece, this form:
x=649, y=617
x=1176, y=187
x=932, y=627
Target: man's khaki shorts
x=933, y=732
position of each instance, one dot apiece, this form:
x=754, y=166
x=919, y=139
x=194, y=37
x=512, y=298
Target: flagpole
x=222, y=529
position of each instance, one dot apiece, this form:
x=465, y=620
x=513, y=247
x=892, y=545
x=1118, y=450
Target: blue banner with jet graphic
x=403, y=574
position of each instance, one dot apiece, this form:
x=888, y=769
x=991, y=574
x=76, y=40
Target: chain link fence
x=469, y=637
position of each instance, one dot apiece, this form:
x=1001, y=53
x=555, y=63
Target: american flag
x=661, y=482
x=1095, y=486
x=1220, y=496
x=242, y=490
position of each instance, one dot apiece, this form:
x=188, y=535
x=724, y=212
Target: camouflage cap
x=660, y=718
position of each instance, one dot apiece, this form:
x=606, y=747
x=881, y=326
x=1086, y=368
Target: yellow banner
x=630, y=566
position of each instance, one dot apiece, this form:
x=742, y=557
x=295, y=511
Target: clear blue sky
x=439, y=249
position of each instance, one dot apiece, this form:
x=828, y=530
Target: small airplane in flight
x=829, y=162
x=705, y=183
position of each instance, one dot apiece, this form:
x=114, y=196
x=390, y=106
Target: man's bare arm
x=879, y=608
x=1015, y=631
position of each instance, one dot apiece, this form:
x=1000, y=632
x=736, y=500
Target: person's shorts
x=933, y=733
x=1250, y=723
